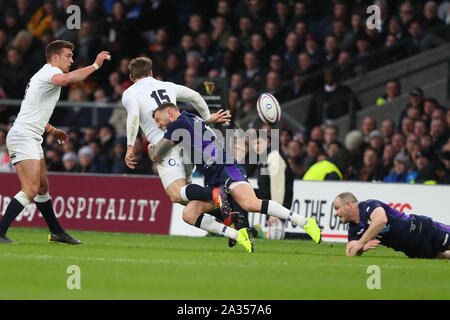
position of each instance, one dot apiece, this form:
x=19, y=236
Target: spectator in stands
x=371, y=170
x=420, y=40
x=429, y=105
x=273, y=36
x=258, y=46
x=286, y=135
x=273, y=85
x=317, y=133
x=368, y=125
x=70, y=162
x=159, y=50
x=15, y=74
x=365, y=62
x=420, y=127
x=88, y=42
x=118, y=164
x=246, y=30
x=387, y=162
x=412, y=145
x=331, y=101
x=248, y=103
x=439, y=134
x=395, y=28
x=313, y=151
x=376, y=142
x=407, y=126
x=344, y=65
x=31, y=50
x=277, y=64
x=307, y=66
x=296, y=157
x=400, y=171
x=398, y=142
x=407, y=13
x=312, y=48
x=42, y=18
x=291, y=50
x=53, y=160
x=343, y=37
x=86, y=159
x=221, y=31
x=330, y=50
x=431, y=21
x=416, y=99
x=331, y=135
x=420, y=160
x=173, y=72
x=392, y=91
x=388, y=130
x=253, y=73
x=12, y=24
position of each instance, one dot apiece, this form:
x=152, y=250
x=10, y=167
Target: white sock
x=22, y=198
x=183, y=193
x=277, y=210
x=210, y=224
x=43, y=198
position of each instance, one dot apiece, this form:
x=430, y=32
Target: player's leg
x=44, y=205
x=245, y=196
x=443, y=255
x=28, y=174
x=193, y=214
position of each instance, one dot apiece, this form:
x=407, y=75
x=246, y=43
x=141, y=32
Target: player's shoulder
x=46, y=71
x=369, y=205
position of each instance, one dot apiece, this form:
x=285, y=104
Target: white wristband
x=95, y=66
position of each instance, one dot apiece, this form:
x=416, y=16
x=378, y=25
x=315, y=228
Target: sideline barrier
x=315, y=199
x=98, y=203
x=139, y=204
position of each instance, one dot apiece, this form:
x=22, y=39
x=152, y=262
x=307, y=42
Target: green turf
x=136, y=266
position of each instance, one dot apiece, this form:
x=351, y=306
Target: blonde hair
x=140, y=67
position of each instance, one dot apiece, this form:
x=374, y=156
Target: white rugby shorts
x=172, y=168
x=22, y=147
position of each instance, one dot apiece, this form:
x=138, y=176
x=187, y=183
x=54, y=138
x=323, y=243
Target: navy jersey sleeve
x=354, y=232
x=171, y=128
x=366, y=208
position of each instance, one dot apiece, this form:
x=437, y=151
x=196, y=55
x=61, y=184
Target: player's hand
x=129, y=158
x=371, y=244
x=357, y=248
x=101, y=57
x=220, y=116
x=60, y=136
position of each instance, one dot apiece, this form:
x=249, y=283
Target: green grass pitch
x=137, y=266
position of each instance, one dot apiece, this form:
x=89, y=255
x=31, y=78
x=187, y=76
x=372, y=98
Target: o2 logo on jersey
x=400, y=206
x=172, y=162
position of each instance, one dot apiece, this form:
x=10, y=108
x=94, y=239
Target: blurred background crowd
x=288, y=47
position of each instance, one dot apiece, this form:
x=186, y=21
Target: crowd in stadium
x=281, y=46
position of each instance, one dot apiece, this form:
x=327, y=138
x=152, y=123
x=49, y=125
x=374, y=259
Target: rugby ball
x=275, y=229
x=268, y=108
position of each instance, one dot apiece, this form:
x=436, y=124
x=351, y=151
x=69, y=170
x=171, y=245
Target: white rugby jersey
x=40, y=100
x=145, y=95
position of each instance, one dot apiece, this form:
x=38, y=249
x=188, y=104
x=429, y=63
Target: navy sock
x=46, y=209
x=12, y=211
x=199, y=221
x=197, y=192
x=264, y=206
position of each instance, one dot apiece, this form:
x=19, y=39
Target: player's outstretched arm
x=378, y=220
x=64, y=79
x=158, y=152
